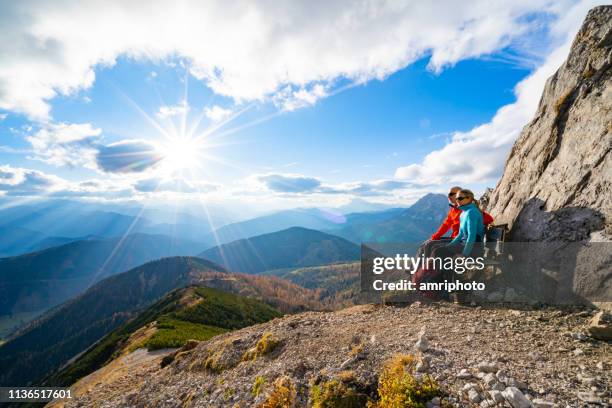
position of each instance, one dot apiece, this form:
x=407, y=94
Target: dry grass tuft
x=397, y=386
x=266, y=344
x=283, y=394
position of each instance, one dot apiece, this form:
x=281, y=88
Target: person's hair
x=470, y=194
x=455, y=188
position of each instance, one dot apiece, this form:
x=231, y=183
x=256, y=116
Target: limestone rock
x=515, y=398
x=540, y=403
x=496, y=396
x=600, y=326
x=464, y=374
x=486, y=367
x=556, y=181
x=422, y=343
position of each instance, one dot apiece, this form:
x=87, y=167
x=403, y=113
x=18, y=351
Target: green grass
x=175, y=333
x=215, y=313
x=226, y=310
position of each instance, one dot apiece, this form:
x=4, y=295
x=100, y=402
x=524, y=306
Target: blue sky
x=380, y=111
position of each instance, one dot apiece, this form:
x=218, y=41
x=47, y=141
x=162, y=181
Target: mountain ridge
x=292, y=247
x=45, y=278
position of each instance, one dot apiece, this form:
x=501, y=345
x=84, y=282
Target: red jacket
x=452, y=221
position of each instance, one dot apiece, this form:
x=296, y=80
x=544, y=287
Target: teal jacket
x=470, y=226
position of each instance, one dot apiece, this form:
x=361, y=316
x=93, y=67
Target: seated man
x=452, y=218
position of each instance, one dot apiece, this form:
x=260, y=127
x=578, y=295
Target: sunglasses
x=451, y=194
x=462, y=198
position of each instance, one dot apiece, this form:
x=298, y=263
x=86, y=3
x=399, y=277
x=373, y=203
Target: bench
x=495, y=236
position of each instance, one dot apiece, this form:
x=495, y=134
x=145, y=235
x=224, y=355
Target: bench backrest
x=495, y=236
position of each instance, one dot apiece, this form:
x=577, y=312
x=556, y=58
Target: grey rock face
x=561, y=160
x=557, y=182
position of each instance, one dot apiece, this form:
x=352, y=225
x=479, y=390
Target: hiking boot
x=457, y=298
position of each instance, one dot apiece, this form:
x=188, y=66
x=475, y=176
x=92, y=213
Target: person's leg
x=449, y=251
x=426, y=249
x=441, y=253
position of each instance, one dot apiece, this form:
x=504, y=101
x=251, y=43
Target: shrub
x=213, y=361
x=173, y=333
x=266, y=344
x=398, y=388
x=283, y=394
x=258, y=386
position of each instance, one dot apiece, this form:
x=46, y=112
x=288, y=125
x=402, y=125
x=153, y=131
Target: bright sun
x=181, y=153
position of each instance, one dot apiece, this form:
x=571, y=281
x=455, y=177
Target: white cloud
x=217, y=113
x=246, y=50
x=289, y=183
x=17, y=181
x=282, y=190
x=304, y=185
x=64, y=144
x=22, y=182
x=128, y=156
x=290, y=99
x=174, y=185
x=3, y=116
x=479, y=155
x=169, y=111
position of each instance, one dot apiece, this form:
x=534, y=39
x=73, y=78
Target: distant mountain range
x=27, y=228
x=311, y=218
x=293, y=247
x=40, y=280
x=17, y=240
x=412, y=225
x=31, y=227
x=61, y=334
x=66, y=266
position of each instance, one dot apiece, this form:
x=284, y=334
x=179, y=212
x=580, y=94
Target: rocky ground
x=479, y=356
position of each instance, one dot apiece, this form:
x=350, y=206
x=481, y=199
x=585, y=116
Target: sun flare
x=181, y=153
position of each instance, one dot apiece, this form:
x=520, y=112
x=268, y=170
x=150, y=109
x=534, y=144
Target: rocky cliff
x=557, y=180
x=556, y=189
